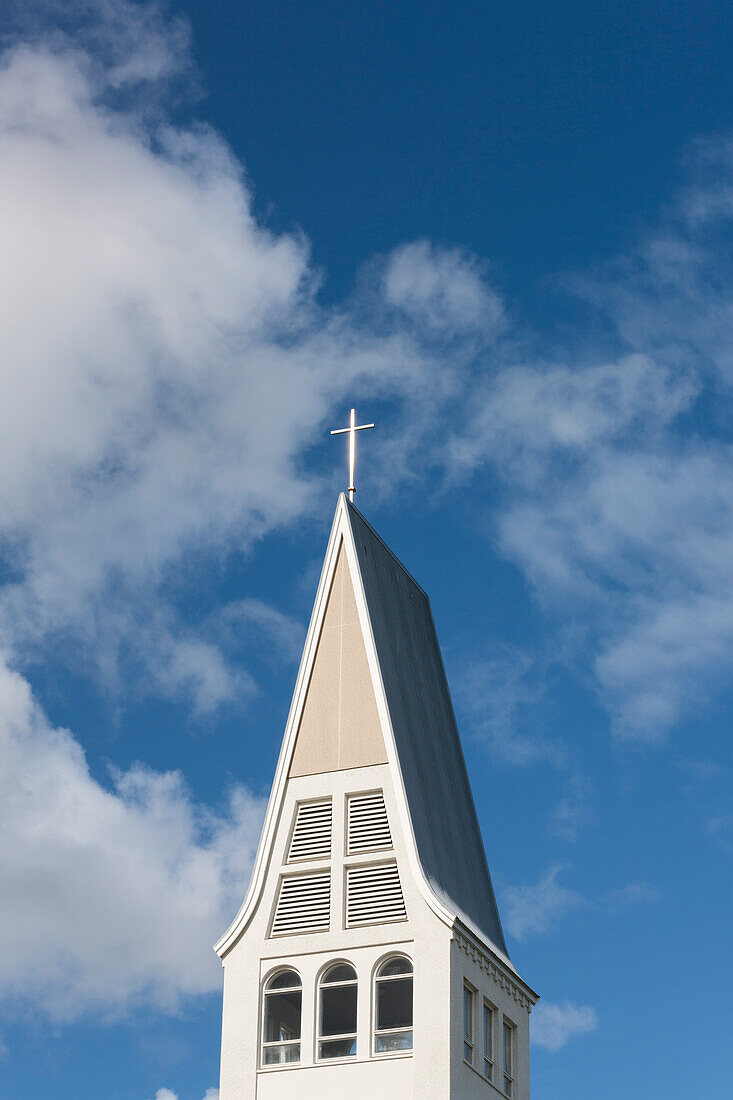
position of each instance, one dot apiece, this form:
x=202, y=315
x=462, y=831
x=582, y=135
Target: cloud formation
x=184, y=365
x=553, y=1026
x=444, y=290
x=112, y=896
x=533, y=908
x=622, y=523
x=616, y=470
x=502, y=692
x=161, y=409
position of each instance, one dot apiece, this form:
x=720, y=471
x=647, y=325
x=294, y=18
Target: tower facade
x=368, y=958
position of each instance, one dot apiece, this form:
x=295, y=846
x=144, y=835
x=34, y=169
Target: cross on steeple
x=352, y=430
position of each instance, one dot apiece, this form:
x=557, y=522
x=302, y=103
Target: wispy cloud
x=533, y=909
x=618, y=484
x=703, y=771
x=719, y=825
x=627, y=896
x=553, y=1026
x=503, y=695
x=245, y=620
x=167, y=1094
x=572, y=812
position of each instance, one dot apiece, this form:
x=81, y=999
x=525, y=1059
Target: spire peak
x=352, y=429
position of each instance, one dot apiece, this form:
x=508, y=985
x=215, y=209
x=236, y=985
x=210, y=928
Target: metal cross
x=352, y=430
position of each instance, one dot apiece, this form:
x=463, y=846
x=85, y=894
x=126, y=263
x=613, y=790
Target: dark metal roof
x=434, y=772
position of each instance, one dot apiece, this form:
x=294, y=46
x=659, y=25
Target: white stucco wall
x=422, y=937
x=469, y=964
x=435, y=1069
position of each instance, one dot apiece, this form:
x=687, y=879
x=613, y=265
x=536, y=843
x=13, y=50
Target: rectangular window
x=393, y=1015
x=283, y=1002
x=488, y=1041
x=509, y=1030
x=468, y=995
x=337, y=1013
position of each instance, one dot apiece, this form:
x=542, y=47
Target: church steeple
x=371, y=851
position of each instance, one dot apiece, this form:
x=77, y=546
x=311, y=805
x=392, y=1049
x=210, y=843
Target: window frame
x=378, y=1033
x=469, y=1023
x=271, y=1044
x=509, y=1028
x=319, y=1037
x=489, y=1010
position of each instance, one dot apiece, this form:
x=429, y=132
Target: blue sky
x=504, y=234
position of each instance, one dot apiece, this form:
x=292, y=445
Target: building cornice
x=524, y=996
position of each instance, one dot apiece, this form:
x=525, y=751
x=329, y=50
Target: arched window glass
x=337, y=1012
x=283, y=1003
x=393, y=1006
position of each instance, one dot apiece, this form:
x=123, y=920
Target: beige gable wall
x=339, y=727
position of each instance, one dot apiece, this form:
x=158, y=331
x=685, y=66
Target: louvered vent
x=374, y=895
x=311, y=837
x=368, y=825
x=303, y=904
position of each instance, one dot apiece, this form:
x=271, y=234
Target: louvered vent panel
x=303, y=904
x=311, y=837
x=368, y=824
x=374, y=895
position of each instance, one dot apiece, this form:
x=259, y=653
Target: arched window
x=283, y=1002
x=393, y=1006
x=337, y=992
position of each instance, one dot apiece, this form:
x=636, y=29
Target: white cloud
x=159, y=411
x=167, y=1094
x=244, y=620
x=527, y=417
x=533, y=908
x=112, y=897
x=441, y=289
x=640, y=543
x=617, y=473
x=552, y=1026
x=183, y=365
x=622, y=525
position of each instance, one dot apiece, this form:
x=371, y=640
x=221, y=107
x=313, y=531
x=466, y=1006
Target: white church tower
x=367, y=961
